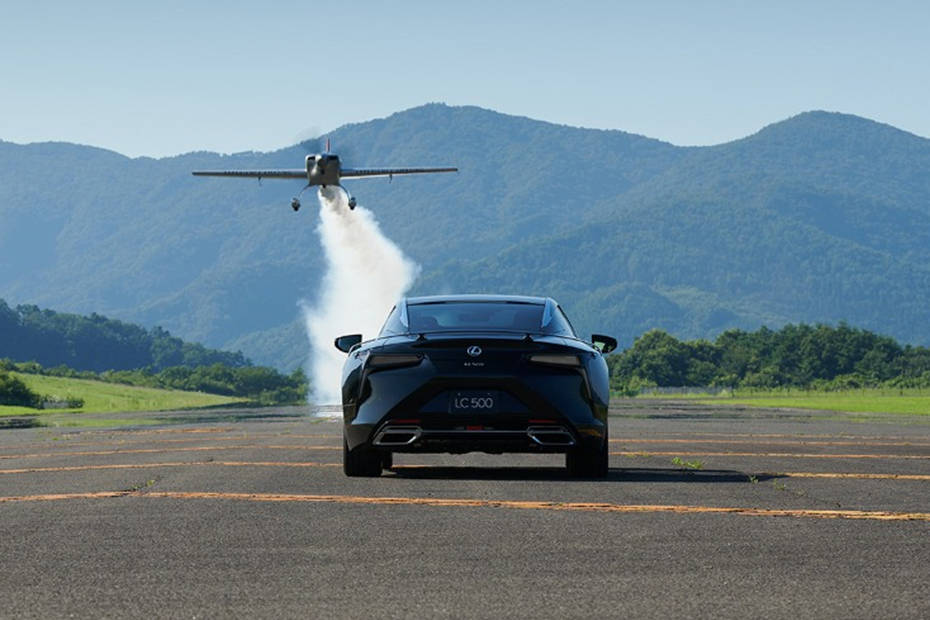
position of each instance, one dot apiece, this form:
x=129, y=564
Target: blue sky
x=161, y=78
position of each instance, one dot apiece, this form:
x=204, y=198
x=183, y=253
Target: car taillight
x=554, y=359
x=388, y=360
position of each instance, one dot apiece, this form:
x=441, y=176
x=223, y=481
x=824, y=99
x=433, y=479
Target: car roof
x=434, y=299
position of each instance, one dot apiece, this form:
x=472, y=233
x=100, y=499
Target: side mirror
x=604, y=344
x=345, y=343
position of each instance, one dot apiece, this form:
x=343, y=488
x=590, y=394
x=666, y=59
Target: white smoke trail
x=366, y=273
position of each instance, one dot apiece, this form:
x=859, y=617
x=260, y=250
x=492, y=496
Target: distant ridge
x=821, y=217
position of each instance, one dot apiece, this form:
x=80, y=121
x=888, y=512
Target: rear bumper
x=531, y=438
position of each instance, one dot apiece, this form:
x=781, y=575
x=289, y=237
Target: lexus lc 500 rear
x=464, y=373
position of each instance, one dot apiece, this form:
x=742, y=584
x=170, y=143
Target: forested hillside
x=45, y=342
x=96, y=343
x=799, y=356
x=820, y=218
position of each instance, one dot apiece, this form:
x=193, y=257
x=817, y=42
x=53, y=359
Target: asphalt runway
x=707, y=512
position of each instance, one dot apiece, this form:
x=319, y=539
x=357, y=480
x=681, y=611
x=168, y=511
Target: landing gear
x=295, y=201
x=349, y=197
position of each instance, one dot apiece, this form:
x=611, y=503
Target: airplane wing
x=254, y=174
x=389, y=172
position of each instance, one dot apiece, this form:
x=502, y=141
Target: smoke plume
x=366, y=273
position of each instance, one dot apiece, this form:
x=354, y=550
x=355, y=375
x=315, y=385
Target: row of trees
x=97, y=343
x=95, y=347
x=804, y=356
x=259, y=384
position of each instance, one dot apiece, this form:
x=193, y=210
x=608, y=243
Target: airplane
x=323, y=170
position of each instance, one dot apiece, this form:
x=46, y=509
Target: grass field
x=875, y=400
x=100, y=397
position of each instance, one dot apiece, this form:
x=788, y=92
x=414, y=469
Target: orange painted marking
x=51, y=497
x=162, y=450
x=153, y=431
x=778, y=455
x=299, y=464
x=176, y=430
x=147, y=441
x=790, y=436
x=878, y=515
x=35, y=470
x=151, y=441
x=799, y=442
x=799, y=474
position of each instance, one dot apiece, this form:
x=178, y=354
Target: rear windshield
x=454, y=316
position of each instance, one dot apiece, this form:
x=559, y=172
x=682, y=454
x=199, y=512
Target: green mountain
x=822, y=217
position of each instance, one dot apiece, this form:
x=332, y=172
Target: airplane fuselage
x=323, y=169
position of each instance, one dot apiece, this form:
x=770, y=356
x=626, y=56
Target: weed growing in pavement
x=688, y=464
x=143, y=485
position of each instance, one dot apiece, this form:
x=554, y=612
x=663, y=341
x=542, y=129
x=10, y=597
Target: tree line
x=259, y=384
x=799, y=356
x=97, y=343
x=95, y=347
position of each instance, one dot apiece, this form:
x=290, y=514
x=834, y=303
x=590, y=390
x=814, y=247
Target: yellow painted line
x=796, y=455
x=133, y=442
x=878, y=515
x=150, y=441
x=776, y=474
x=790, y=436
x=159, y=431
x=51, y=497
x=301, y=464
x=162, y=450
x=799, y=442
x=799, y=474
x=35, y=470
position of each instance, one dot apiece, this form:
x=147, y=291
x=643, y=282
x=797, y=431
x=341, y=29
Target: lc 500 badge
x=484, y=402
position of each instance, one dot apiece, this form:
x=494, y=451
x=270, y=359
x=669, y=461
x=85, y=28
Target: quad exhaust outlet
x=551, y=435
x=397, y=435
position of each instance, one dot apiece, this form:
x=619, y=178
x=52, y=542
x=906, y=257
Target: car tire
x=588, y=463
x=387, y=460
x=360, y=461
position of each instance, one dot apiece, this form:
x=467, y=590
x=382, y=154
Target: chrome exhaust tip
x=397, y=436
x=551, y=436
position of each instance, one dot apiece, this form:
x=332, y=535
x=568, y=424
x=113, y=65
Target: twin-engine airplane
x=323, y=170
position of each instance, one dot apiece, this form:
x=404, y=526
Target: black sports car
x=465, y=373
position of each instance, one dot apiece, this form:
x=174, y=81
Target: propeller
x=323, y=145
